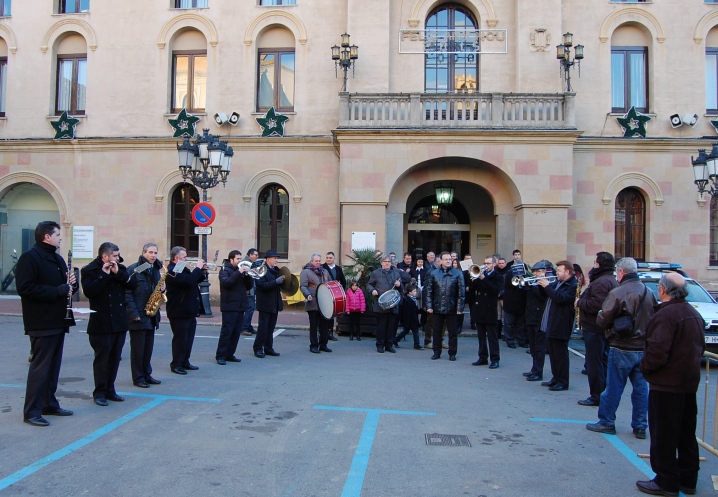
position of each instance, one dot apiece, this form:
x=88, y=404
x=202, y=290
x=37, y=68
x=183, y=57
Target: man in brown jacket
x=671, y=365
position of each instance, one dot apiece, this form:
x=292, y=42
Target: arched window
x=275, y=70
x=630, y=225
x=713, y=257
x=184, y=198
x=444, y=71
x=273, y=220
x=189, y=72
x=71, y=82
x=712, y=72
x=629, y=68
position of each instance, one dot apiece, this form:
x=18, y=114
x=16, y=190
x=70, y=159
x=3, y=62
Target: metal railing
x=706, y=408
x=457, y=110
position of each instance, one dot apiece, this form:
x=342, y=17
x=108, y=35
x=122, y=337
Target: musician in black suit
x=336, y=273
x=44, y=286
x=269, y=304
x=183, y=308
x=104, y=282
x=486, y=289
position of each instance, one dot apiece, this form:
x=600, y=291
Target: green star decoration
x=65, y=127
x=633, y=123
x=184, y=124
x=714, y=123
x=272, y=123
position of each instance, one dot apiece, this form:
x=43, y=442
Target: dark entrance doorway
x=437, y=228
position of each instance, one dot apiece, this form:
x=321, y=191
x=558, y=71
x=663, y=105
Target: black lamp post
x=345, y=56
x=205, y=163
x=563, y=54
x=704, y=171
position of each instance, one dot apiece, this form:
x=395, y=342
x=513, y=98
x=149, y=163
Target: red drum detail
x=331, y=299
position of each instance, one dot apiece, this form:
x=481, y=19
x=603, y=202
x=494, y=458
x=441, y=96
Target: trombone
x=522, y=281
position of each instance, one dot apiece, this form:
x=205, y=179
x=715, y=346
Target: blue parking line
x=357, y=470
x=69, y=449
x=617, y=443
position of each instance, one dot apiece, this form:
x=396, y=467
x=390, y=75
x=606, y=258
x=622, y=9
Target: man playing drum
x=313, y=275
x=381, y=281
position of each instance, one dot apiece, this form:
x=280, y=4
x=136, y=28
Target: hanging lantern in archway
x=436, y=210
x=444, y=193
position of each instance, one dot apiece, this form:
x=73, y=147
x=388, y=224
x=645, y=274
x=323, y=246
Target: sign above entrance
x=203, y=214
x=363, y=240
x=453, y=41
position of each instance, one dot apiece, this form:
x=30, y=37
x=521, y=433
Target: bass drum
x=331, y=299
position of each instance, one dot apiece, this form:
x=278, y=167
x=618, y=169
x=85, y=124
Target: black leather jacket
x=445, y=292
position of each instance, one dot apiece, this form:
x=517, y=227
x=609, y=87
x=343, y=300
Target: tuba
x=255, y=269
x=157, y=297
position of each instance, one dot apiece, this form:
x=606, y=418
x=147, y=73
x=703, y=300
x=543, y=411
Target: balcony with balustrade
x=468, y=111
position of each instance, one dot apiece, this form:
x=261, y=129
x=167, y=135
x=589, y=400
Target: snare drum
x=331, y=299
x=389, y=300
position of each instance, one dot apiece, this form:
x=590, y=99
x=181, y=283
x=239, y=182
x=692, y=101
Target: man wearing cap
x=234, y=282
x=268, y=304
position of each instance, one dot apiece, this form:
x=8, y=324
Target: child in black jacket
x=410, y=317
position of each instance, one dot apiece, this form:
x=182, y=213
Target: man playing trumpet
x=142, y=326
x=234, y=283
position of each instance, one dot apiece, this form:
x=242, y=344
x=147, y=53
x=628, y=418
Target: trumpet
x=255, y=269
x=522, y=281
x=475, y=271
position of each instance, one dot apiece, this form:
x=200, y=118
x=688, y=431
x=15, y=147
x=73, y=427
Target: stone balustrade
x=457, y=110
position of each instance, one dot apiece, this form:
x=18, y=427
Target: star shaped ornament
x=272, y=123
x=633, y=123
x=65, y=127
x=714, y=123
x=184, y=124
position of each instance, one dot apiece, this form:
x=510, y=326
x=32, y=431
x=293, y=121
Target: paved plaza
x=348, y=423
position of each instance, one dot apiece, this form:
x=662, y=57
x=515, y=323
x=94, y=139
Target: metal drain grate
x=447, y=440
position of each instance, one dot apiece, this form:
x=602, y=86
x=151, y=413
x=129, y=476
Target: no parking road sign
x=203, y=214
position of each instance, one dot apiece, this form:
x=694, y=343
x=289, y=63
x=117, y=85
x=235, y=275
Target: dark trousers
x=247, y=319
x=428, y=328
x=43, y=374
x=487, y=332
x=108, y=351
x=558, y=355
x=265, y=331
x=537, y=345
x=407, y=330
x=142, y=342
x=397, y=322
x=514, y=329
x=183, y=330
x=596, y=362
x=317, y=322
x=672, y=423
x=384, y=327
x=355, y=324
x=450, y=320
x=229, y=334
x=330, y=326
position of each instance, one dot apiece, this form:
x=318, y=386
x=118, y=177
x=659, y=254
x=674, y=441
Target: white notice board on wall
x=83, y=242
x=363, y=240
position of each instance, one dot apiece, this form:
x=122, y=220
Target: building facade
x=467, y=94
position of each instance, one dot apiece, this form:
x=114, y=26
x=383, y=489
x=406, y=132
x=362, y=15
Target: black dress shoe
x=221, y=362
x=390, y=349
x=435, y=357
x=190, y=367
x=588, y=402
x=272, y=353
x=493, y=365
x=473, y=326
x=101, y=401
x=528, y=374
x=323, y=348
x=233, y=359
x=688, y=491
x=37, y=421
x=418, y=347
x=314, y=350
x=141, y=384
x=651, y=487
x=259, y=353
x=639, y=433
x=396, y=343
x=548, y=383
x=57, y=412
x=178, y=370
x=452, y=357
x=583, y=371
x=558, y=388
x=534, y=377
x=511, y=345
x=152, y=381
x=480, y=362
x=114, y=397
x=332, y=337
x=380, y=350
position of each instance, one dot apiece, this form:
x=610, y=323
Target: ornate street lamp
x=563, y=54
x=345, y=57
x=205, y=163
x=444, y=193
x=705, y=171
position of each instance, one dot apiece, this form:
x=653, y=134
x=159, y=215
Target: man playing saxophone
x=142, y=325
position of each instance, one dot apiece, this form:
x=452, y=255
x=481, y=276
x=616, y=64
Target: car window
x=696, y=293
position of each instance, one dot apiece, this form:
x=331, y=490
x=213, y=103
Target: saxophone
x=157, y=297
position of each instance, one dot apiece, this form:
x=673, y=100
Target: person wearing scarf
x=313, y=275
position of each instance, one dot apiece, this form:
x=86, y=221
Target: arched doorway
x=21, y=209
